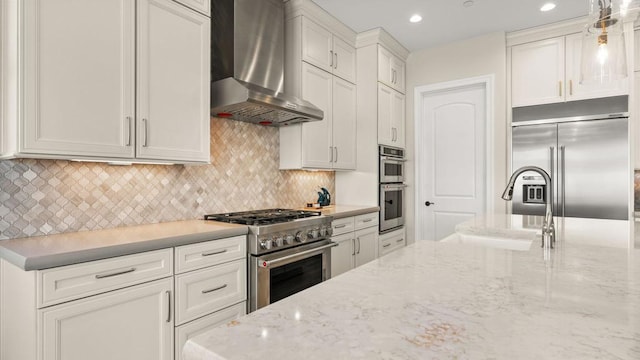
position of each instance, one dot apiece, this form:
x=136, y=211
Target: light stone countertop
x=443, y=300
x=41, y=252
x=343, y=211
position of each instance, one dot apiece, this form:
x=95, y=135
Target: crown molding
x=382, y=37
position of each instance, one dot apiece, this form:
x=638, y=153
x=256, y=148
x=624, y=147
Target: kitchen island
x=458, y=300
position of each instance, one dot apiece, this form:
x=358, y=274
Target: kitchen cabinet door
x=317, y=151
x=344, y=64
x=343, y=255
x=635, y=119
x=537, y=72
x=78, y=83
x=344, y=124
x=133, y=323
x=385, y=100
x=577, y=91
x=398, y=72
x=173, y=82
x=366, y=245
x=397, y=119
x=384, y=66
x=317, y=45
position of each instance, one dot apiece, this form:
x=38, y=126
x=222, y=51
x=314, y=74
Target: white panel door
x=79, y=78
x=344, y=60
x=342, y=256
x=173, y=82
x=317, y=151
x=366, y=245
x=579, y=91
x=386, y=134
x=537, y=72
x=344, y=124
x=317, y=44
x=452, y=155
x=133, y=323
x=384, y=66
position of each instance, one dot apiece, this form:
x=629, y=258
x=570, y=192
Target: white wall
x=478, y=56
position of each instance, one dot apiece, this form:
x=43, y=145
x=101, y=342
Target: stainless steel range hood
x=247, y=65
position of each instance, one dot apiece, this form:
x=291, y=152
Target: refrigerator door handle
x=552, y=173
x=562, y=170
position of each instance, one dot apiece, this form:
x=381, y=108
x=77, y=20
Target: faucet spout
x=548, y=228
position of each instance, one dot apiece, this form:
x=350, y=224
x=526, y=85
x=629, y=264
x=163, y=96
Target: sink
x=494, y=238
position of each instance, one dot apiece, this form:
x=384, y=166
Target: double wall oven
x=392, y=188
x=289, y=251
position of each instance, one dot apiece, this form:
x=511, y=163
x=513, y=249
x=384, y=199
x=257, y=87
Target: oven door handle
x=386, y=158
x=269, y=263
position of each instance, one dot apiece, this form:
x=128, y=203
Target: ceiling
x=448, y=20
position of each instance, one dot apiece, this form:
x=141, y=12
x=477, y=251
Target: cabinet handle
x=128, y=131
x=102, y=276
x=214, y=252
x=331, y=153
x=336, y=148
x=340, y=226
x=354, y=247
x=400, y=240
x=214, y=289
x=358, y=245
x=331, y=52
x=336, y=54
x=168, y=293
x=367, y=220
x=570, y=87
x=386, y=245
x=560, y=87
x=145, y=122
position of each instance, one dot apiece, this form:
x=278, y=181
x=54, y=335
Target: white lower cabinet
x=392, y=241
x=357, y=239
x=132, y=323
x=127, y=307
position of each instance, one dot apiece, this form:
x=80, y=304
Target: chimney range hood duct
x=247, y=65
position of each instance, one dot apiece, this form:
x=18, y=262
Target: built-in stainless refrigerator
x=588, y=161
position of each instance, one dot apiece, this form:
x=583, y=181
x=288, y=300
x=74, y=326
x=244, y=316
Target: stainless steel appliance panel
x=534, y=145
x=593, y=163
x=392, y=199
x=277, y=275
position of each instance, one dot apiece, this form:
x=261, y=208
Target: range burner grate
x=262, y=217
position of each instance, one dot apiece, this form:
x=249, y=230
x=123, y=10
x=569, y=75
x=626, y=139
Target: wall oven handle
x=269, y=263
x=394, y=186
x=388, y=158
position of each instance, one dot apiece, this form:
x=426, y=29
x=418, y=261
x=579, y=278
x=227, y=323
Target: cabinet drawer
x=204, y=291
x=366, y=220
x=197, y=327
x=71, y=282
x=201, y=255
x=342, y=226
x=391, y=244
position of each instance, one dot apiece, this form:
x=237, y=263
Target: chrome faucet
x=548, y=229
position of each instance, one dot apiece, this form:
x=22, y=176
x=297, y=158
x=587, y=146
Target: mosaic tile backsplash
x=41, y=197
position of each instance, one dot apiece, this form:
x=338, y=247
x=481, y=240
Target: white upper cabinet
x=317, y=149
x=344, y=124
x=325, y=50
x=173, y=82
x=78, y=78
x=391, y=115
x=130, y=84
x=391, y=70
x=548, y=71
x=537, y=72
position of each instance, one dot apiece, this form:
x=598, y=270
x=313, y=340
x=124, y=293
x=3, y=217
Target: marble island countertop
x=448, y=300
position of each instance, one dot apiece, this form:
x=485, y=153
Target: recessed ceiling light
x=415, y=18
x=548, y=7
x=468, y=3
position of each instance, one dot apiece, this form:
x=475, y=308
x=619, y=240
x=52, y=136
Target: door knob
x=428, y=203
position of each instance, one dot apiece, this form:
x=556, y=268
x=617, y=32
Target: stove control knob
x=265, y=244
x=299, y=236
x=329, y=230
x=310, y=234
x=323, y=231
x=316, y=233
x=288, y=239
x=278, y=241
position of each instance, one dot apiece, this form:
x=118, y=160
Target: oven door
x=391, y=169
x=391, y=206
x=277, y=275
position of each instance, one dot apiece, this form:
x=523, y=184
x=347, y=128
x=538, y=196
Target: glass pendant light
x=604, y=56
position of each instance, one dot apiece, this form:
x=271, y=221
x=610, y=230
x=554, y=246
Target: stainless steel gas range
x=289, y=251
